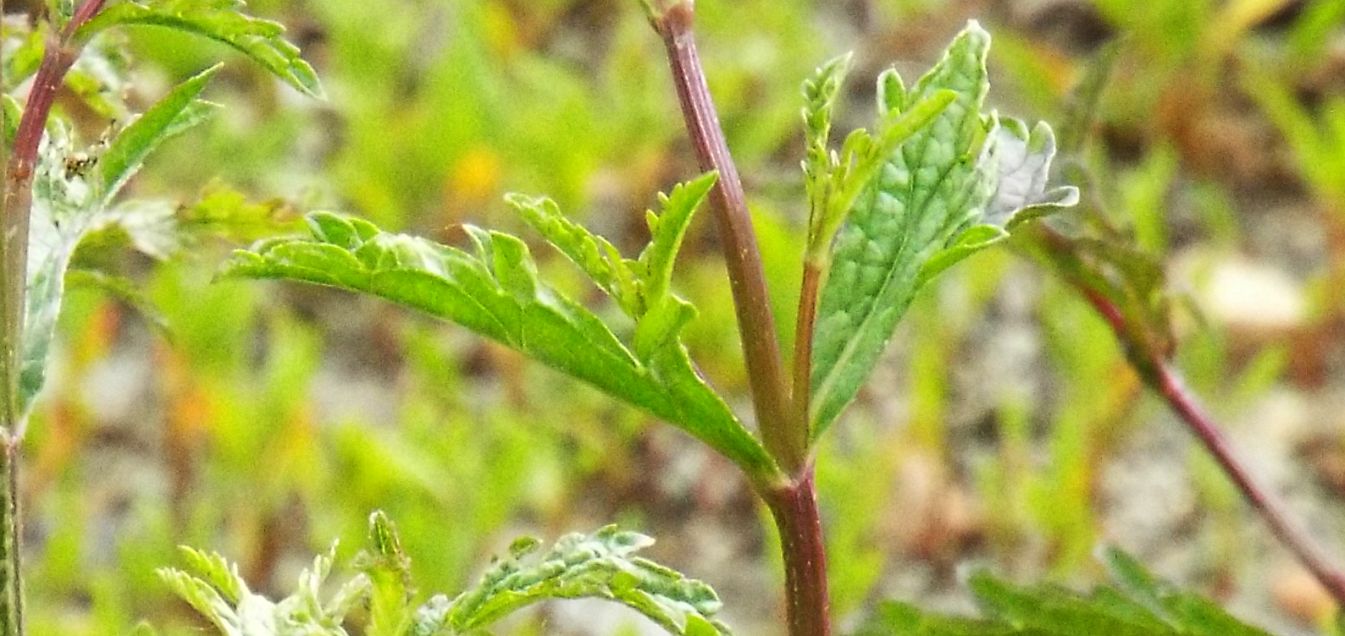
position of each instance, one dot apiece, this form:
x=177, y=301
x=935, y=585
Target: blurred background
x=1004, y=428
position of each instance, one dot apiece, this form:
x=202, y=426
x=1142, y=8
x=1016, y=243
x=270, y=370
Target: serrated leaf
x=1193, y=614
x=494, y=292
x=820, y=94
x=1057, y=610
x=178, y=111
x=667, y=229
x=601, y=565
x=220, y=20
x=862, y=156
x=1138, y=604
x=212, y=587
x=599, y=259
x=948, y=190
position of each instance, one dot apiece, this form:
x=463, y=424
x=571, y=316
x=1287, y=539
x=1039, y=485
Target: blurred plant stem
x=783, y=431
x=16, y=205
x=1151, y=362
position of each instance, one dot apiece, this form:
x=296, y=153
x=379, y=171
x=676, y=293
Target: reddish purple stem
x=1167, y=382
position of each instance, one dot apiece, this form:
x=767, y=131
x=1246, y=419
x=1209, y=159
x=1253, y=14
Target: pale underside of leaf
x=601, y=565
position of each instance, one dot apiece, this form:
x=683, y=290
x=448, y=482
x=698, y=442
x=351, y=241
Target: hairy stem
x=16, y=204
x=1158, y=373
x=807, y=604
x=782, y=437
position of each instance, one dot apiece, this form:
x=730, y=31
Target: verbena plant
x=937, y=179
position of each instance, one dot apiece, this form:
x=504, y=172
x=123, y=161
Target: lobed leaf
x=599, y=259
x=212, y=586
x=820, y=94
x=940, y=192
x=220, y=20
x=494, y=291
x=1136, y=604
x=601, y=565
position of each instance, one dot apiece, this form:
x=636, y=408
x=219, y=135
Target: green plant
x=954, y=179
x=57, y=196
x=937, y=180
x=600, y=565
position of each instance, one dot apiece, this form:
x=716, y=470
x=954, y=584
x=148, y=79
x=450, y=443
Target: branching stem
x=784, y=429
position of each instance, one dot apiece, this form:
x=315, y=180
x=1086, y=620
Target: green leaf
x=220, y=20
x=599, y=259
x=666, y=231
x=1194, y=614
x=175, y=113
x=601, y=565
x=494, y=291
x=23, y=52
x=72, y=201
x=862, y=156
x=936, y=194
x=895, y=618
x=1138, y=604
x=213, y=587
x=123, y=289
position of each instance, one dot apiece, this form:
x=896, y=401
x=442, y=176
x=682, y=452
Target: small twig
x=1168, y=383
x=1159, y=374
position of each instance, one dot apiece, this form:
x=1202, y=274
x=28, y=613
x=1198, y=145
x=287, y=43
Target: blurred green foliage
x=264, y=421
